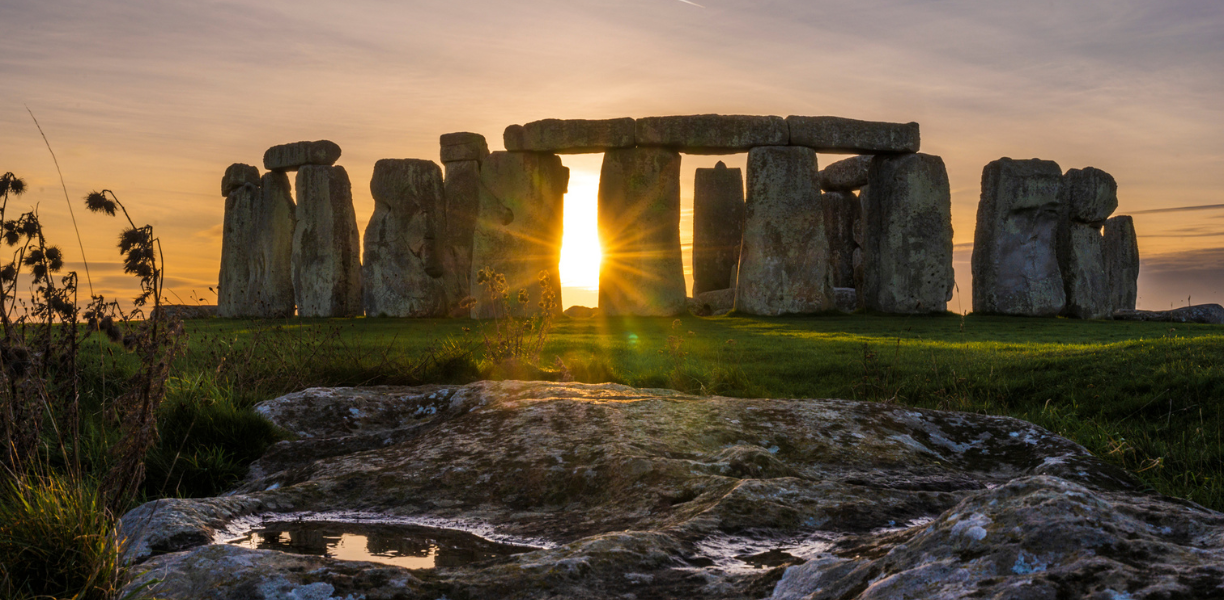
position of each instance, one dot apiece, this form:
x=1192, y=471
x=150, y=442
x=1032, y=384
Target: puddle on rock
x=408, y=546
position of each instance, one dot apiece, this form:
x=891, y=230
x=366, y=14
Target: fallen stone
x=1015, y=245
x=463, y=146
x=842, y=213
x=1210, y=314
x=518, y=230
x=290, y=157
x=846, y=175
x=455, y=224
x=718, y=227
x=571, y=136
x=623, y=495
x=642, y=271
x=401, y=267
x=711, y=134
x=845, y=299
x=1089, y=195
x=581, y=312
x=1081, y=260
x=835, y=135
x=326, y=246
x=907, y=235
x=1122, y=262
x=784, y=259
x=707, y=304
x=238, y=175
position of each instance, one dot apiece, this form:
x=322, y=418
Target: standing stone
x=860, y=277
x=455, y=225
x=271, y=270
x=233, y=280
x=1122, y=262
x=290, y=157
x=570, y=136
x=463, y=146
x=711, y=134
x=1015, y=245
x=784, y=260
x=907, y=252
x=1089, y=196
x=326, y=245
x=642, y=272
x=238, y=175
x=835, y=135
x=518, y=228
x=718, y=227
x=401, y=271
x=846, y=175
x=841, y=215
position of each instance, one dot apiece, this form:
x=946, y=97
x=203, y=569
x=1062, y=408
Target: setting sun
x=580, y=250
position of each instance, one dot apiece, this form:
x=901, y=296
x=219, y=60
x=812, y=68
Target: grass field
x=1148, y=396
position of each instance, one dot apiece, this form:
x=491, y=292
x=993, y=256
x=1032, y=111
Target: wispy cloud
x=1178, y=209
x=692, y=3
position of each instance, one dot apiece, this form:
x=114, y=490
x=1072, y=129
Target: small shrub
x=513, y=344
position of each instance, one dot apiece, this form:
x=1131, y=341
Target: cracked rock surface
x=643, y=493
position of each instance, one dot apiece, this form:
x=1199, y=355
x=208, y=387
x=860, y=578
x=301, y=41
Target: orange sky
x=154, y=99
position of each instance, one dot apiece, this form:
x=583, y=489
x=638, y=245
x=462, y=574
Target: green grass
x=1147, y=396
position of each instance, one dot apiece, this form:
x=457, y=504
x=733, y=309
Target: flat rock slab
x=711, y=134
x=660, y=494
x=837, y=135
x=290, y=157
x=570, y=136
x=1210, y=314
x=846, y=175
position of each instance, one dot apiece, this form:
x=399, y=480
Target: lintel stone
x=837, y=135
x=570, y=136
x=712, y=134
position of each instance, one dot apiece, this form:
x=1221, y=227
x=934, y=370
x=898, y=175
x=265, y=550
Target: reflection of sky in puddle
x=740, y=554
x=408, y=546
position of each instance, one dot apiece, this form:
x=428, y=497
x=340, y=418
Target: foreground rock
x=570, y=136
x=711, y=134
x=1210, y=314
x=1122, y=262
x=326, y=247
x=291, y=157
x=718, y=227
x=653, y=493
x=837, y=135
x=401, y=268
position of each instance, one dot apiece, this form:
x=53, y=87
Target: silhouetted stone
x=835, y=135
x=326, y=249
x=1090, y=195
x=518, y=228
x=1081, y=260
x=1208, y=314
x=1015, y=245
x=454, y=226
x=238, y=175
x=401, y=269
x=842, y=213
x=290, y=157
x=571, y=136
x=907, y=250
x=846, y=175
x=642, y=272
x=718, y=227
x=711, y=134
x=1121, y=262
x=463, y=146
x=784, y=261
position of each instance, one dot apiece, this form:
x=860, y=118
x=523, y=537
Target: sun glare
x=580, y=252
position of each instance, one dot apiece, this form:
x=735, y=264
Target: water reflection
x=408, y=546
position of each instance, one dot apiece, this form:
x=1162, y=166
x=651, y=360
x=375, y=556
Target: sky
x=153, y=99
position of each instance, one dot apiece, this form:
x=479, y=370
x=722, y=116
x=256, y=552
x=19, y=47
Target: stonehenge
x=872, y=231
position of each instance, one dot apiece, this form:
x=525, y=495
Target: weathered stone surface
x=842, y=212
x=455, y=224
x=907, y=231
x=642, y=272
x=1081, y=259
x=463, y=146
x=326, y=248
x=836, y=135
x=660, y=494
x=708, y=303
x=238, y=175
x=1209, y=314
x=711, y=134
x=290, y=157
x=1122, y=262
x=845, y=299
x=518, y=228
x=256, y=251
x=718, y=227
x=401, y=268
x=784, y=260
x=1015, y=245
x=1089, y=195
x=846, y=175
x=570, y=136
x=234, y=276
